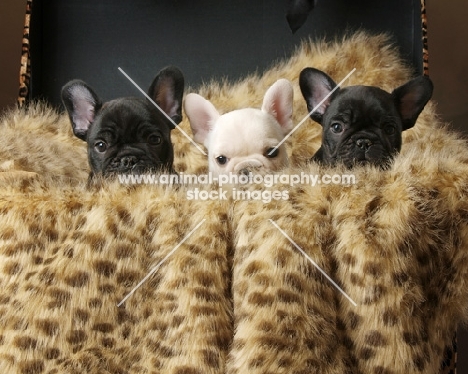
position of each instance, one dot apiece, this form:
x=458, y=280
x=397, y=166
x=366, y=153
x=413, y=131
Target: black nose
x=363, y=143
x=244, y=171
x=128, y=161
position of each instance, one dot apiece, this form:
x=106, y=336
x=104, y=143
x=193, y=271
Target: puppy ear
x=82, y=104
x=297, y=13
x=167, y=90
x=411, y=98
x=278, y=101
x=201, y=114
x=315, y=86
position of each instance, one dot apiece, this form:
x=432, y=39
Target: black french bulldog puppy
x=362, y=124
x=127, y=135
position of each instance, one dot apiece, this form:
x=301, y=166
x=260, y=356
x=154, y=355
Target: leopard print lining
x=25, y=69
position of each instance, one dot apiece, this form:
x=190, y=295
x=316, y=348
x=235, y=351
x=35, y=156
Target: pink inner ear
x=201, y=114
x=83, y=109
x=165, y=100
x=278, y=101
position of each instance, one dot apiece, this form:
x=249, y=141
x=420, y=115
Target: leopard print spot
x=366, y=353
x=4, y=299
x=288, y=297
x=411, y=338
x=58, y=295
x=348, y=343
x=12, y=268
x=78, y=279
x=76, y=337
x=204, y=310
x=261, y=299
x=354, y=320
x=257, y=362
x=51, y=234
x=374, y=269
x=128, y=278
x=282, y=257
x=25, y=342
x=47, y=326
x=81, y=315
x=8, y=234
x=177, y=321
x=295, y=281
x=94, y=303
x=285, y=362
x=253, y=268
x=274, y=343
x=399, y=279
x=107, y=288
x=31, y=367
x=95, y=241
x=211, y=358
x=124, y=216
x=186, y=370
x=159, y=326
x=262, y=280
x=103, y=327
x=420, y=362
x=37, y=260
x=349, y=259
x=204, y=279
x=108, y=342
x=356, y=279
x=390, y=317
x=376, y=339
x=288, y=333
x=52, y=353
x=206, y=295
x=105, y=268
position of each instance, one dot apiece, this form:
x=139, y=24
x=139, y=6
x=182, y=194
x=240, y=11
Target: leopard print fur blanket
x=235, y=296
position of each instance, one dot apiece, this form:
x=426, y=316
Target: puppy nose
x=128, y=161
x=363, y=143
x=244, y=171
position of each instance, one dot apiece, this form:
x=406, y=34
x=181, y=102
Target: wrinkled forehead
x=362, y=100
x=129, y=115
x=133, y=110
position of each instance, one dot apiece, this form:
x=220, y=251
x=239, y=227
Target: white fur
x=244, y=136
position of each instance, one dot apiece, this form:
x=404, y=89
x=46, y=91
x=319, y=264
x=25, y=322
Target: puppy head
x=245, y=139
x=362, y=124
x=127, y=135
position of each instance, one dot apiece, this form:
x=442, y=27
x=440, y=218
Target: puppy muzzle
x=247, y=166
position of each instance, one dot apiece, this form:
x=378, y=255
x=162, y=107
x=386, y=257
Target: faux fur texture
x=237, y=296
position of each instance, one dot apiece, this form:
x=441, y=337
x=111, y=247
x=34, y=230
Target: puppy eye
x=272, y=152
x=221, y=160
x=389, y=130
x=100, y=146
x=154, y=139
x=336, y=127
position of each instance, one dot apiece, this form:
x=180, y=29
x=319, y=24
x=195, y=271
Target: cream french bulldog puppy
x=244, y=140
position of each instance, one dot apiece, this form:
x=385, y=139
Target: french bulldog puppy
x=362, y=124
x=127, y=135
x=244, y=140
